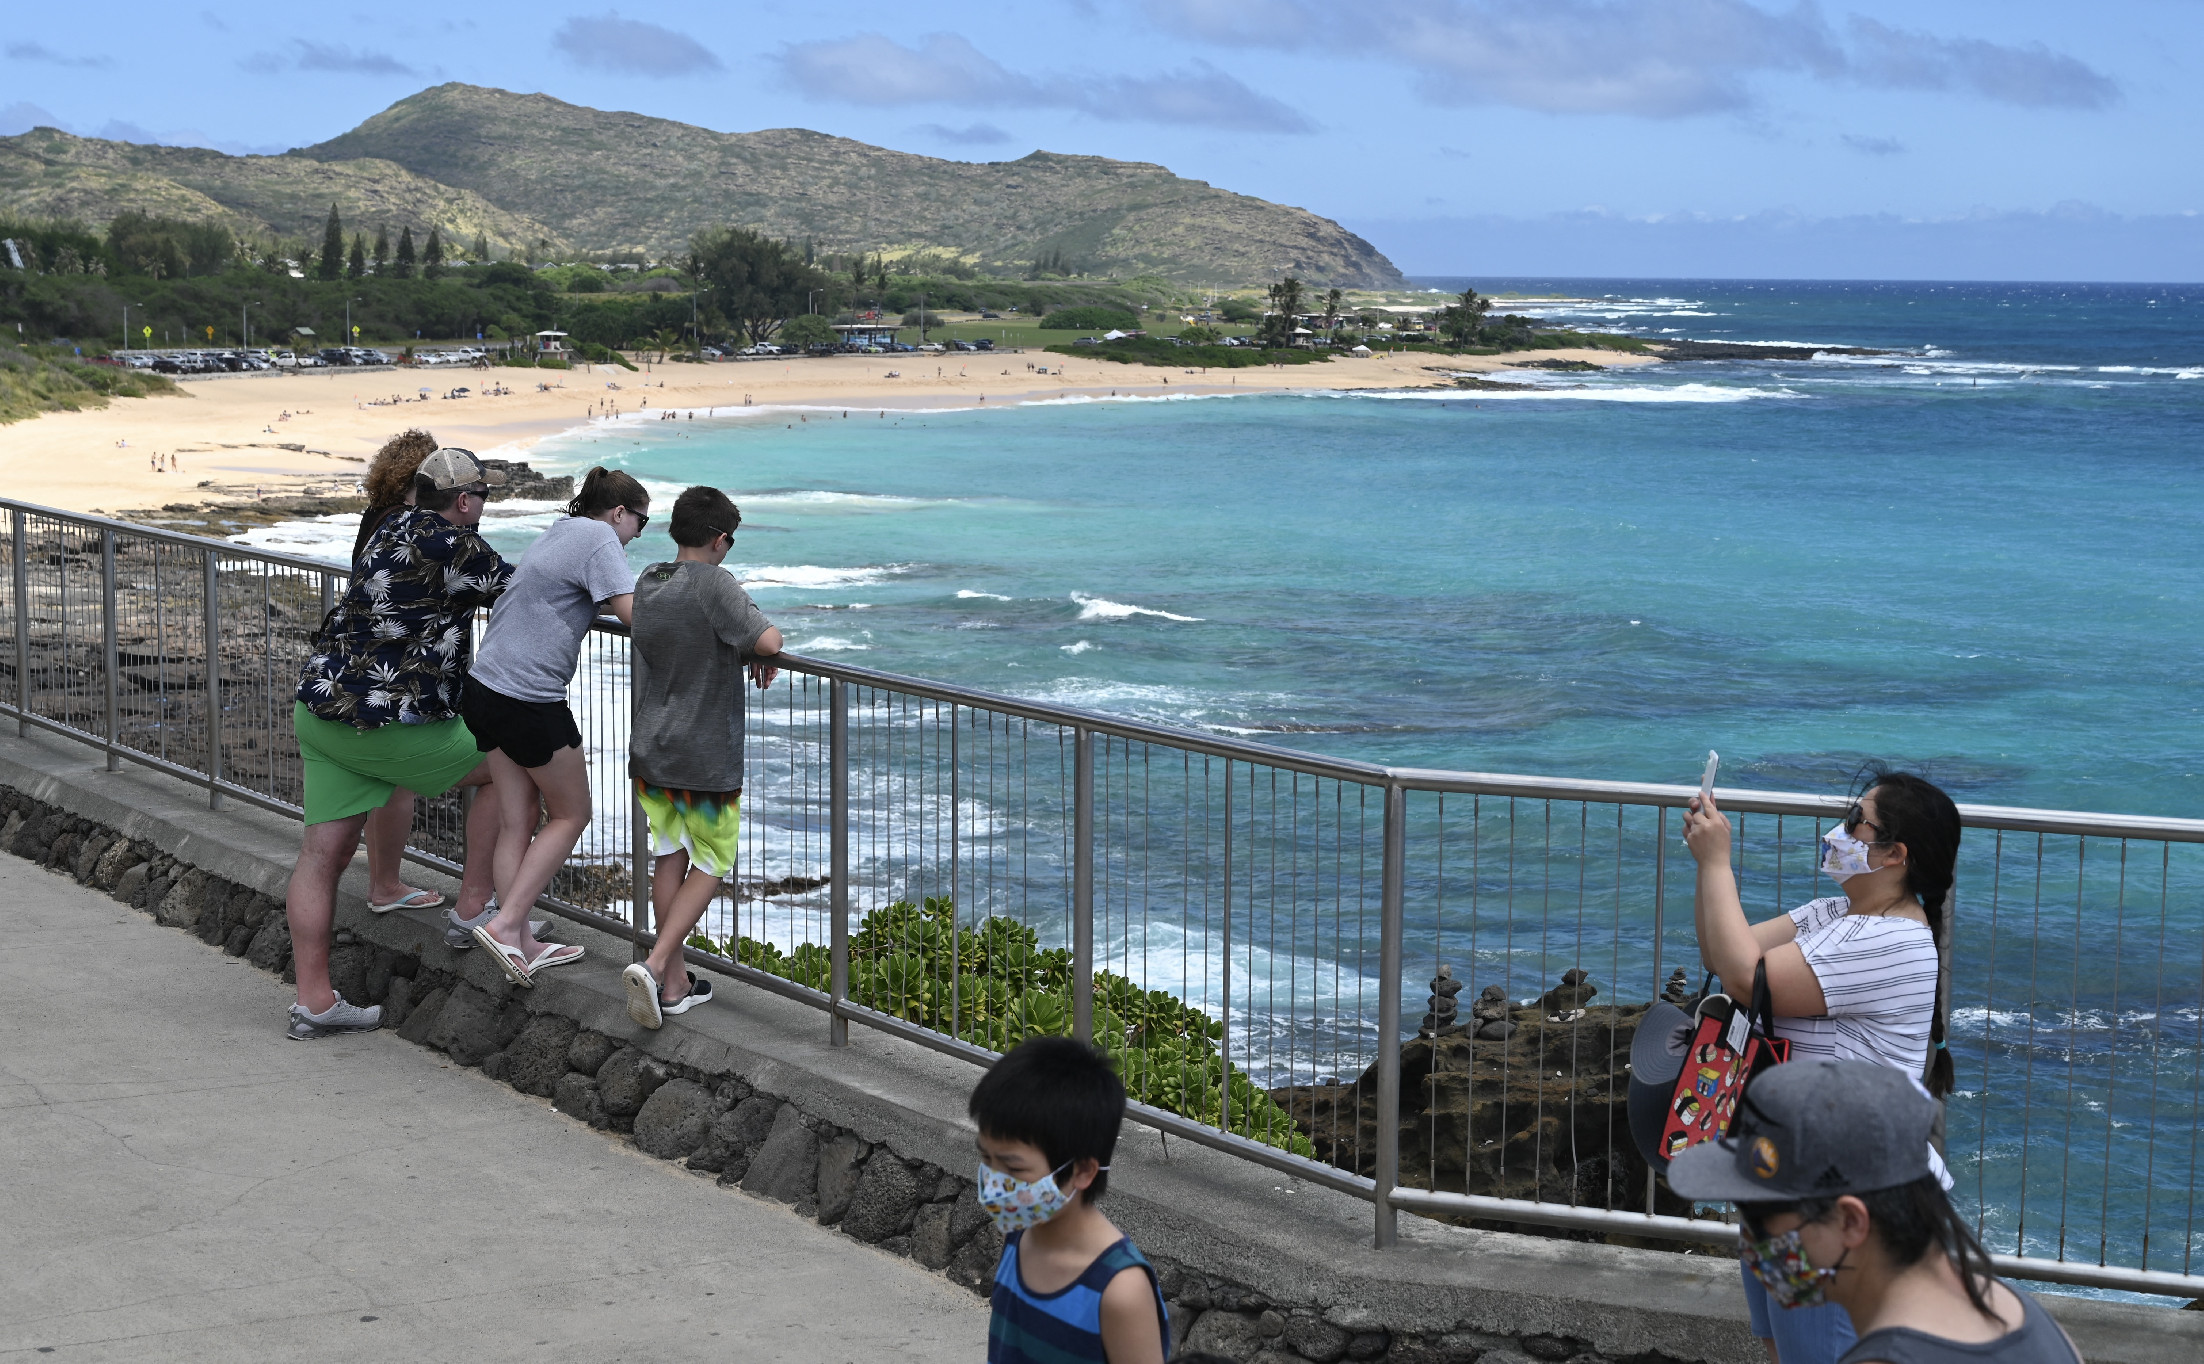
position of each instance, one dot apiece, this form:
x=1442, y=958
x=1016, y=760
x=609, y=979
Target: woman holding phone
x=1851, y=977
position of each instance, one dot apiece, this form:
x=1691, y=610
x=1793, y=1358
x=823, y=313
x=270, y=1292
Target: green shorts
x=707, y=825
x=350, y=771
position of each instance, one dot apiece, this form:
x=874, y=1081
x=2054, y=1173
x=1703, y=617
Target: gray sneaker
x=338, y=1017
x=459, y=933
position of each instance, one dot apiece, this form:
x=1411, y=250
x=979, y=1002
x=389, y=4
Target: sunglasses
x=1856, y=817
x=642, y=519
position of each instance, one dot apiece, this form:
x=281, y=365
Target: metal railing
x=1237, y=923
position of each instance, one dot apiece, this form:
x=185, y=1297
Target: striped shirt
x=1878, y=977
x=1064, y=1327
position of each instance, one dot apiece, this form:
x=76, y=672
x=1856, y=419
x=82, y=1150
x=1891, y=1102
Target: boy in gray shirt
x=694, y=630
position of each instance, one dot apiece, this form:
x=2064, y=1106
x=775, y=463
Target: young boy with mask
x=1070, y=1285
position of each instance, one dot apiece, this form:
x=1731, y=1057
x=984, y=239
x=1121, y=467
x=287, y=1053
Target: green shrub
x=1089, y=318
x=31, y=384
x=994, y=985
x=1154, y=350
x=807, y=329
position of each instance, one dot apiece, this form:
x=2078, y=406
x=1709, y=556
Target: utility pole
x=244, y=323
x=922, y=319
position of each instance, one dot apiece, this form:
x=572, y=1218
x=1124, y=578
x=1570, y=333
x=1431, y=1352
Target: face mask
x=1842, y=855
x=1780, y=1263
x=1016, y=1206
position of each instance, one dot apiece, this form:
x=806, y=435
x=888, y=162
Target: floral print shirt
x=394, y=650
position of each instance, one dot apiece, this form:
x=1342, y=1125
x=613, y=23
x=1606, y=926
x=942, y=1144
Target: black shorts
x=529, y=732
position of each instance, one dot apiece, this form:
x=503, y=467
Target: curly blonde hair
x=390, y=478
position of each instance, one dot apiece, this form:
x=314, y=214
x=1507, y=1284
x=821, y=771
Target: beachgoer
x=1839, y=1206
x=377, y=706
x=694, y=630
x=515, y=702
x=1069, y=1286
x=1852, y=977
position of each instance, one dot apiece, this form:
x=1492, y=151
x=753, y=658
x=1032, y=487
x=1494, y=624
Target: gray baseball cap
x=1814, y=1129
x=452, y=467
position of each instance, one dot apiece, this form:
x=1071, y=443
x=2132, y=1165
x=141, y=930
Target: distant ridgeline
x=529, y=175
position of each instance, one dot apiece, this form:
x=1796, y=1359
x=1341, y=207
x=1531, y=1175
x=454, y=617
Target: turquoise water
x=1976, y=556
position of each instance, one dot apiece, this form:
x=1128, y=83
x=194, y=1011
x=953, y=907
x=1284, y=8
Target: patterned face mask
x=1780, y=1263
x=1015, y=1205
x=1842, y=855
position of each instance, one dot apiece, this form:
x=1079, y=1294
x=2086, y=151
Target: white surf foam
x=967, y=594
x=1079, y=648
x=753, y=576
x=828, y=644
x=1101, y=608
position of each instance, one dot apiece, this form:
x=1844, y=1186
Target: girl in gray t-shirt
x=515, y=702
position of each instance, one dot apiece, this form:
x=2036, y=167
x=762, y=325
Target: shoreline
x=290, y=435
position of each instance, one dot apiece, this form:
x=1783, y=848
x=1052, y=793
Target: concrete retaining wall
x=872, y=1139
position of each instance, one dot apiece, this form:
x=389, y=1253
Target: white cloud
x=869, y=68
x=303, y=55
x=631, y=47
x=39, y=52
x=971, y=135
x=1873, y=146
x=1659, y=60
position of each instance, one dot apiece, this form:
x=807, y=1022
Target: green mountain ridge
x=47, y=173
x=519, y=168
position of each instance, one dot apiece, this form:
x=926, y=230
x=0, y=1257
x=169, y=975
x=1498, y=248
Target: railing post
x=1389, y=969
x=213, y=626
x=110, y=645
x=22, y=626
x=1082, y=885
x=838, y=856
x=1224, y=1012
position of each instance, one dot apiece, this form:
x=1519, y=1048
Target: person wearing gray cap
x=1828, y=1164
x=377, y=706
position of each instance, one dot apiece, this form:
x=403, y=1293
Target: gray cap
x=452, y=467
x=1814, y=1129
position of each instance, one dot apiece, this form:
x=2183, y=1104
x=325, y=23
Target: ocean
x=1974, y=555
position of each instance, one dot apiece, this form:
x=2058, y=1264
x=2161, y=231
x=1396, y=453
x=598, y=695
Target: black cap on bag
x=1814, y=1129
x=1656, y=1058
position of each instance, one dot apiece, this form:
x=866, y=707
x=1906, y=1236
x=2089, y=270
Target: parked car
x=984, y=343
x=167, y=364
x=334, y=355
x=986, y=316
x=933, y=348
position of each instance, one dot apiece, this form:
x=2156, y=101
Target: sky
x=1661, y=138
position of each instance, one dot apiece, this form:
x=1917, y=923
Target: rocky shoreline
x=223, y=518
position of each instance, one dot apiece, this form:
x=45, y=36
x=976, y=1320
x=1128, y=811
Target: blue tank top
x=1064, y=1326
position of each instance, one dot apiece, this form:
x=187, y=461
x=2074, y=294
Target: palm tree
x=1331, y=310
x=664, y=338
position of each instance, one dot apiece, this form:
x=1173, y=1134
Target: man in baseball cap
x=377, y=705
x=1839, y=1201
x=452, y=467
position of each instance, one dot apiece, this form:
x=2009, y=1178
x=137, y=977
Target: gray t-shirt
x=694, y=629
x=535, y=633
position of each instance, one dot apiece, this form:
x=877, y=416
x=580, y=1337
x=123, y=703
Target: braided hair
x=1915, y=811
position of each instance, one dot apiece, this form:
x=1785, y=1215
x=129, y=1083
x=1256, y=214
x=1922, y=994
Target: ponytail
x=1916, y=812
x=603, y=489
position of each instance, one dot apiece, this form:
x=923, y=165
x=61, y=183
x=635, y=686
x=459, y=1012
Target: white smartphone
x=1706, y=779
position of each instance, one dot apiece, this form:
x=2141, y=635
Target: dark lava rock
x=423, y=1017
x=1499, y=1030
x=536, y=1059
x=673, y=1121
x=930, y=1243
x=735, y=1134
x=840, y=1163
x=626, y=1080
x=474, y=1026
x=786, y=1167
x=576, y=1096
x=590, y=1051
x=271, y=947
x=1316, y=1339
x=239, y=942
x=974, y=1263
x=1231, y=1334
x=887, y=1197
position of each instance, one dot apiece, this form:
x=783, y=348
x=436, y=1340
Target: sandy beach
x=237, y=437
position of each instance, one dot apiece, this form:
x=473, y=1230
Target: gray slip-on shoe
x=459, y=933
x=338, y=1017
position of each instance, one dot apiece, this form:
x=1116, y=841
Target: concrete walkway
x=183, y=1183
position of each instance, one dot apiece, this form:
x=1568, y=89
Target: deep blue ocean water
x=1975, y=555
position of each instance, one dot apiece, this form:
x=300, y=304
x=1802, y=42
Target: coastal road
x=185, y=1184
